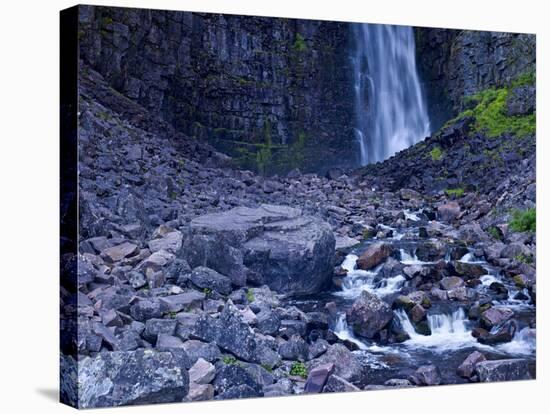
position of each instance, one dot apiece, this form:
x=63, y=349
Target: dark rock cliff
x=276, y=93
x=273, y=93
x=457, y=63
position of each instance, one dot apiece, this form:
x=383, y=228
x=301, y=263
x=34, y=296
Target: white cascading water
x=342, y=331
x=448, y=331
x=358, y=280
x=390, y=108
x=523, y=343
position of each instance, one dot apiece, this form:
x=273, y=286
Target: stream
x=450, y=341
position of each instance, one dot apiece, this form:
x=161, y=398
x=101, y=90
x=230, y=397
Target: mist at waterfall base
x=390, y=108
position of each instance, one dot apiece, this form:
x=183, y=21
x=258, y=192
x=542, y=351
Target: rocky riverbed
x=197, y=280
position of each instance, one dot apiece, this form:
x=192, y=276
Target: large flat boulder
x=273, y=245
x=131, y=377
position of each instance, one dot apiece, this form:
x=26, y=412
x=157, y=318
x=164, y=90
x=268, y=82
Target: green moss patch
x=488, y=109
x=436, y=153
x=454, y=192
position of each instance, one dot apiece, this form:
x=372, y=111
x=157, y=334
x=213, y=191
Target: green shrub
x=436, y=154
x=524, y=220
x=249, y=296
x=522, y=258
x=299, y=43
x=454, y=192
x=298, y=369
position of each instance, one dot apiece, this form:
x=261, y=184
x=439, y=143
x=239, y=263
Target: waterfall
x=390, y=109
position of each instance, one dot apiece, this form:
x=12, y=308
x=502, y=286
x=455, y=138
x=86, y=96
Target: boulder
x=426, y=375
x=233, y=375
x=273, y=245
x=503, y=370
x=155, y=327
x=240, y=391
x=448, y=211
x=206, y=278
x=161, y=378
x=317, y=378
x=368, y=315
x=462, y=294
x=295, y=349
x=346, y=364
x=374, y=255
x=502, y=334
x=167, y=342
x=468, y=270
x=119, y=252
x=184, y=301
x=513, y=250
x=408, y=194
x=170, y=242
x=202, y=372
x=337, y=384
x=495, y=316
x=198, y=349
x=145, y=309
x=267, y=322
x=467, y=368
x=451, y=282
x=200, y=392
x=233, y=335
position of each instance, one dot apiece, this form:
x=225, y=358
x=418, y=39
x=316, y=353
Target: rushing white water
x=411, y=216
x=470, y=258
x=391, y=111
x=342, y=331
x=448, y=332
x=358, y=280
x=411, y=259
x=523, y=343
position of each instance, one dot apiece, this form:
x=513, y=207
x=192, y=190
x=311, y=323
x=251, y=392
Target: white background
x=29, y=204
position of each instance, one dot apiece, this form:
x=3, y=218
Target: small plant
x=494, y=233
x=524, y=220
x=299, y=43
x=298, y=369
x=454, y=192
x=436, y=153
x=249, y=295
x=229, y=360
x=172, y=314
x=207, y=291
x=523, y=258
x=268, y=368
x=368, y=233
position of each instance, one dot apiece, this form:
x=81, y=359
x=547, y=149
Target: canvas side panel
x=68, y=205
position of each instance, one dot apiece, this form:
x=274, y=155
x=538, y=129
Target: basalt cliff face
x=273, y=93
x=276, y=94
x=458, y=63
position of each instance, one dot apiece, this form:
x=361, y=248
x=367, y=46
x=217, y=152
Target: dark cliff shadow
x=51, y=394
